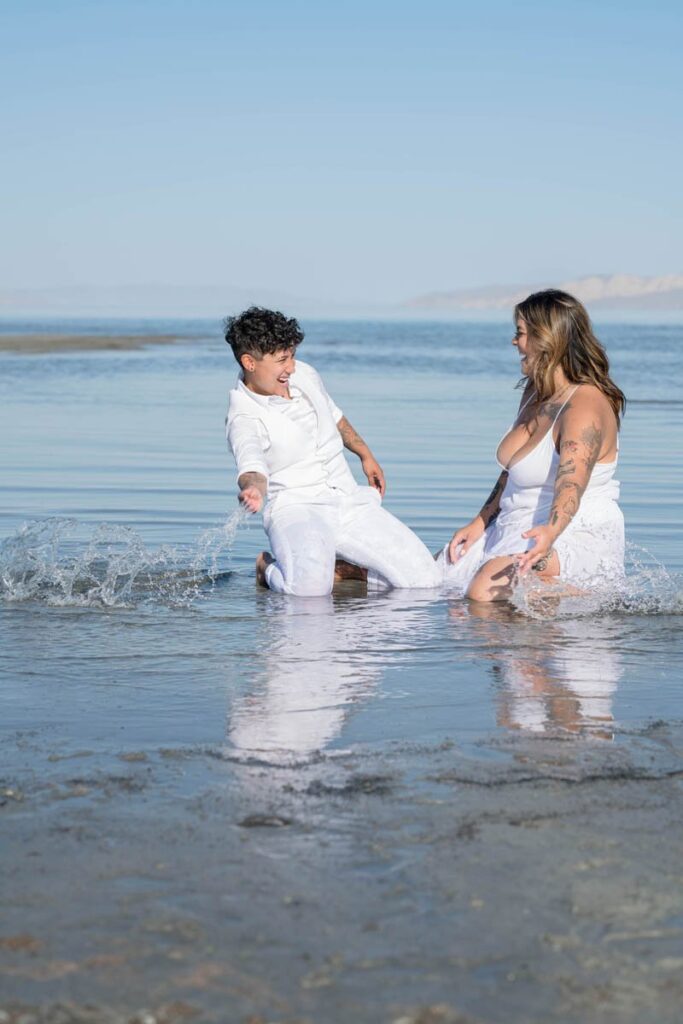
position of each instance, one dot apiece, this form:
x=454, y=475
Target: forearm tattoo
x=491, y=508
x=252, y=480
x=577, y=459
x=351, y=438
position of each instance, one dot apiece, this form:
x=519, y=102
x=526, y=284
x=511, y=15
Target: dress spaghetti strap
x=562, y=407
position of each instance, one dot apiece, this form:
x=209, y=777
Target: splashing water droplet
x=647, y=588
x=44, y=562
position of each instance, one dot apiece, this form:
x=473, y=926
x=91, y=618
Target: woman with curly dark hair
x=553, y=509
x=288, y=437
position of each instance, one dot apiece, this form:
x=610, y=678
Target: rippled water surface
x=129, y=612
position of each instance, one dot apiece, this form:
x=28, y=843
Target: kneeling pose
x=287, y=437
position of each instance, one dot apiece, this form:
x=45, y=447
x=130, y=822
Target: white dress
x=590, y=549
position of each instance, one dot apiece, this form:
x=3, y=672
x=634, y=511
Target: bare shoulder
x=588, y=425
x=589, y=402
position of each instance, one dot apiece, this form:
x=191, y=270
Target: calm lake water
x=131, y=595
x=344, y=809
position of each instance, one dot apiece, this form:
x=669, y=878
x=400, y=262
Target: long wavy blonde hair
x=562, y=335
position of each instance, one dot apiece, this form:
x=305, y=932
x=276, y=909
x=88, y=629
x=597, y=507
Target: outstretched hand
x=538, y=555
x=373, y=472
x=463, y=539
x=251, y=498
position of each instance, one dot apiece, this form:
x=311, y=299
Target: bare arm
x=580, y=445
x=463, y=539
x=253, y=489
x=355, y=443
x=352, y=439
x=581, y=440
x=491, y=507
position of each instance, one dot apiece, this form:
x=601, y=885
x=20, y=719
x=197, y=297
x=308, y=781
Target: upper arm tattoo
x=577, y=459
x=592, y=440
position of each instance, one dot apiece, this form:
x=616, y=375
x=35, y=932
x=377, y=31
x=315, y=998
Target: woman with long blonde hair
x=553, y=510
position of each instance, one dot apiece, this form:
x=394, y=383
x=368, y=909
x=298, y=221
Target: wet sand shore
x=38, y=344
x=413, y=886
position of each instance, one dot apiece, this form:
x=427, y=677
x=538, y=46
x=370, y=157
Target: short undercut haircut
x=258, y=332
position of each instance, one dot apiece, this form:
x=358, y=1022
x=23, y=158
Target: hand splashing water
x=44, y=562
x=646, y=588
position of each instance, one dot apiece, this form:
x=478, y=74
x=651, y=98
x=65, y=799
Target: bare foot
x=348, y=571
x=263, y=560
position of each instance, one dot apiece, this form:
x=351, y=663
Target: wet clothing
x=315, y=511
x=590, y=549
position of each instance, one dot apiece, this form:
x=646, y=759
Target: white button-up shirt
x=309, y=456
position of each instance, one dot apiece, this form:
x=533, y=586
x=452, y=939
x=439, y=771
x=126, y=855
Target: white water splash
x=113, y=569
x=648, y=588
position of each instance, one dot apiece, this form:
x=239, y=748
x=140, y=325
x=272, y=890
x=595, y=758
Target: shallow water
x=132, y=627
x=119, y=461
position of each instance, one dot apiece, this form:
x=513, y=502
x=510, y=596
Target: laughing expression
x=523, y=344
x=269, y=374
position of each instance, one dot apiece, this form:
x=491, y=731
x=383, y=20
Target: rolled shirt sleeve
x=248, y=440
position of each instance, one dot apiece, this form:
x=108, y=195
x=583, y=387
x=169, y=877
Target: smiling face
x=524, y=346
x=269, y=374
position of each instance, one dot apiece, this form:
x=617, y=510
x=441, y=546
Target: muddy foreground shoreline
x=421, y=887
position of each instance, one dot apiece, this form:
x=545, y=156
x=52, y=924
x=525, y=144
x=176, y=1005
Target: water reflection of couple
x=553, y=510
x=321, y=659
x=566, y=684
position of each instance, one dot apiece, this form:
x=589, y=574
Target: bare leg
x=263, y=560
x=372, y=537
x=497, y=577
x=348, y=571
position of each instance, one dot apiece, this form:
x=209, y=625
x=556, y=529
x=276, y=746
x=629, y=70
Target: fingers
x=458, y=546
x=376, y=478
x=527, y=561
x=250, y=498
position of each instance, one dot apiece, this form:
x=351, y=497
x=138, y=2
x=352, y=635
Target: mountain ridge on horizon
x=614, y=291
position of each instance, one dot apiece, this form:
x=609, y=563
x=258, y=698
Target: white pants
x=306, y=538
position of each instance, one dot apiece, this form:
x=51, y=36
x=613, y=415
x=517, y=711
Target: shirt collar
x=266, y=399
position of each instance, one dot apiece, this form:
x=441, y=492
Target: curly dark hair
x=258, y=331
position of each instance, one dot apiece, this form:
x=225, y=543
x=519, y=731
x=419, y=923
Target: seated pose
x=554, y=507
x=288, y=436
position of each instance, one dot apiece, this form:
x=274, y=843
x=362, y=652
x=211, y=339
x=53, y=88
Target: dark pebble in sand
x=264, y=821
x=374, y=785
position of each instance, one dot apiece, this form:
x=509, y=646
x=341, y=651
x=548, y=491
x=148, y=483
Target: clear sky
x=365, y=150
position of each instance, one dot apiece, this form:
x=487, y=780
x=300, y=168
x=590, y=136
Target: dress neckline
x=547, y=434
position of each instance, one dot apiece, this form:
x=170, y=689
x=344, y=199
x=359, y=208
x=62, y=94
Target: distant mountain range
x=604, y=291
x=616, y=292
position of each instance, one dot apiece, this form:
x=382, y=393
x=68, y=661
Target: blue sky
x=366, y=151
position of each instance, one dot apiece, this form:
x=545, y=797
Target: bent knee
x=479, y=590
x=430, y=576
x=493, y=582
x=311, y=586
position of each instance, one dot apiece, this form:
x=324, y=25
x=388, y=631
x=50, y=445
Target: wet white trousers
x=306, y=537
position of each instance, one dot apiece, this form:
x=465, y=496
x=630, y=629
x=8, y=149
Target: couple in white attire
x=553, y=510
